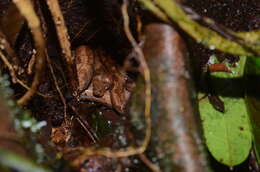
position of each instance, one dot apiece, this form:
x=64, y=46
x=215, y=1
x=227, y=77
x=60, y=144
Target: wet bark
x=176, y=130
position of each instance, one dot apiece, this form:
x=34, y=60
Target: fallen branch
x=174, y=109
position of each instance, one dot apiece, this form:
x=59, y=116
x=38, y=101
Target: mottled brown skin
x=84, y=66
x=101, y=80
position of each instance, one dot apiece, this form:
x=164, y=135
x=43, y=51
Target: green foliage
x=22, y=119
x=252, y=72
x=228, y=135
x=26, y=127
x=19, y=163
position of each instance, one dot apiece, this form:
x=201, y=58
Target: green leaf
x=252, y=71
x=227, y=134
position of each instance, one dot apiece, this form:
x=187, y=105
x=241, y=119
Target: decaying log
x=176, y=131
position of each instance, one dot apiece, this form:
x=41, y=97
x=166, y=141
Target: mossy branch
x=203, y=34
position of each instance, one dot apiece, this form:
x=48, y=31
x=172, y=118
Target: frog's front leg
x=101, y=84
x=121, y=92
x=102, y=79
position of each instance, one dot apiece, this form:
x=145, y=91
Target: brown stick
x=26, y=9
x=63, y=36
x=174, y=114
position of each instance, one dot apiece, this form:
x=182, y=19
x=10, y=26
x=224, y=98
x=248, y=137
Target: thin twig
x=9, y=66
x=31, y=64
x=85, y=126
x=11, y=69
x=57, y=86
x=146, y=74
x=63, y=36
x=28, y=88
x=26, y=9
x=80, y=31
x=131, y=150
x=6, y=46
x=148, y=163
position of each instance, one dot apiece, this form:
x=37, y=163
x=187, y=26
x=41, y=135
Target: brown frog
x=101, y=80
